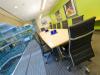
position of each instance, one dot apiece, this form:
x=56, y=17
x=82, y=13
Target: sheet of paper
x=49, y=41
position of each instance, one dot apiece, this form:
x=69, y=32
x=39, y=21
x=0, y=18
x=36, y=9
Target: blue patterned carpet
x=60, y=68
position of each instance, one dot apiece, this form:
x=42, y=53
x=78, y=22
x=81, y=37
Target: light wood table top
x=55, y=40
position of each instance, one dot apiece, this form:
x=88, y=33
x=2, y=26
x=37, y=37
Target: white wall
x=40, y=22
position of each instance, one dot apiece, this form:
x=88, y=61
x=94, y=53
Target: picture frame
x=69, y=9
x=45, y=20
x=58, y=16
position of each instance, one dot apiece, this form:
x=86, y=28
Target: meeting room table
x=55, y=40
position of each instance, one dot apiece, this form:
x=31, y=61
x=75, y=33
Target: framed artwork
x=69, y=9
x=45, y=20
x=58, y=16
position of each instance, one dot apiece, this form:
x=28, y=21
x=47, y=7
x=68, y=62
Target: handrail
x=9, y=44
x=10, y=59
x=15, y=34
x=18, y=62
x=15, y=54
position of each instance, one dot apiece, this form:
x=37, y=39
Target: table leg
x=60, y=53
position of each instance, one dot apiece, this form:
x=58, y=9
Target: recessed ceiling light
x=43, y=5
x=40, y=16
x=15, y=7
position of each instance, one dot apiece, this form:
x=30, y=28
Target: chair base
x=46, y=56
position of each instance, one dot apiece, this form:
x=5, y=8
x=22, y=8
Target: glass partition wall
x=13, y=41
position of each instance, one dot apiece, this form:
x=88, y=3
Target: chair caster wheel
x=69, y=69
x=56, y=59
x=89, y=60
x=87, y=72
x=46, y=63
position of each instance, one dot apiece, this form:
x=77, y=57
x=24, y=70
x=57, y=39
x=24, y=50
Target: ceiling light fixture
x=43, y=5
x=15, y=7
x=40, y=16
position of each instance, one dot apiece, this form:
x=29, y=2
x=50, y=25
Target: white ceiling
x=27, y=9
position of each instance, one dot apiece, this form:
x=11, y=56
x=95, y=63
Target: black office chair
x=42, y=29
x=58, y=26
x=50, y=26
x=54, y=26
x=65, y=24
x=80, y=49
x=46, y=50
x=77, y=19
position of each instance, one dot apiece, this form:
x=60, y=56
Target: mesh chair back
x=42, y=29
x=65, y=24
x=77, y=19
x=82, y=28
x=80, y=47
x=51, y=26
x=58, y=26
x=54, y=26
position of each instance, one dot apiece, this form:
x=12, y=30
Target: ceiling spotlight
x=43, y=5
x=40, y=16
x=15, y=7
